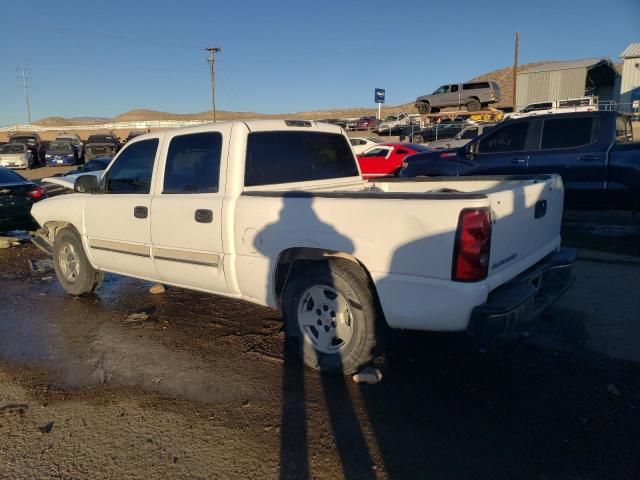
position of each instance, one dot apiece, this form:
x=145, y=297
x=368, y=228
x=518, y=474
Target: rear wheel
x=418, y=139
x=473, y=105
x=424, y=108
x=76, y=275
x=331, y=316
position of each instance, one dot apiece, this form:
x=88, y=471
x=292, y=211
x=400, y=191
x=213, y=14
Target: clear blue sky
x=97, y=58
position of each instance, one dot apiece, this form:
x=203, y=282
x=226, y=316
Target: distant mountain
x=503, y=76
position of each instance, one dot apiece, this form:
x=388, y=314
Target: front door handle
x=589, y=158
x=203, y=216
x=140, y=212
x=518, y=161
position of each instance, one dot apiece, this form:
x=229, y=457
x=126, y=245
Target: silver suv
x=474, y=95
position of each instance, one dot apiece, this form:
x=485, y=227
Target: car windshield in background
x=285, y=157
x=101, y=139
x=27, y=140
x=391, y=118
x=60, y=147
x=9, y=148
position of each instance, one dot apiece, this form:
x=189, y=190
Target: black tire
x=417, y=139
x=473, y=105
x=84, y=279
x=368, y=330
x=424, y=108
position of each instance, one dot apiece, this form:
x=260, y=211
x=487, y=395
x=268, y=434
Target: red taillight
x=37, y=193
x=473, y=242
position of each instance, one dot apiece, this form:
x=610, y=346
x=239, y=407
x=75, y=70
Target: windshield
x=27, y=140
x=101, y=139
x=60, y=147
x=391, y=118
x=16, y=148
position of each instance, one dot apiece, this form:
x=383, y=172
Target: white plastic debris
x=370, y=375
x=157, y=288
x=137, y=317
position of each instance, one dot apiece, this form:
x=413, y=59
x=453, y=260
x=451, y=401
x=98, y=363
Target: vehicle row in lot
x=277, y=213
x=594, y=153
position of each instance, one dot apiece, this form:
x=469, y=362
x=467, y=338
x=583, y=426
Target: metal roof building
x=568, y=79
x=630, y=85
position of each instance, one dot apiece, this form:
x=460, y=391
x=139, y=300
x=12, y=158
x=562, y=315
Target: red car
x=385, y=159
x=367, y=123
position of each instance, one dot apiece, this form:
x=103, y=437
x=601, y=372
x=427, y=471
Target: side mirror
x=86, y=184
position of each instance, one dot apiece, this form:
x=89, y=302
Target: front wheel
x=424, y=108
x=331, y=316
x=76, y=275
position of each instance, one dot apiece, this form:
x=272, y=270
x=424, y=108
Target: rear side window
x=474, y=86
x=376, y=152
x=193, y=163
x=510, y=138
x=568, y=132
x=132, y=170
x=284, y=157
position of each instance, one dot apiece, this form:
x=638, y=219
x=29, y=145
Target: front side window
x=132, y=170
x=454, y=88
x=193, y=163
x=510, y=138
x=568, y=132
x=443, y=89
x=297, y=156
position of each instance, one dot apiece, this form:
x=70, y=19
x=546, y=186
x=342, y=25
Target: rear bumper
x=512, y=305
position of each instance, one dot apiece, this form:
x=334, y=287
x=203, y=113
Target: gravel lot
x=203, y=388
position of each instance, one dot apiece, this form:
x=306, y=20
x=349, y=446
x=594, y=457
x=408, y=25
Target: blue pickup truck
x=594, y=152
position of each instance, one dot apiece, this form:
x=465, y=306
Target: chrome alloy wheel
x=69, y=262
x=325, y=319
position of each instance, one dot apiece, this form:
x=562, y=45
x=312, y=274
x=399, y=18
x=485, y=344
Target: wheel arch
x=294, y=257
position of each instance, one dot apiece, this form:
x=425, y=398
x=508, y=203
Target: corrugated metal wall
x=550, y=85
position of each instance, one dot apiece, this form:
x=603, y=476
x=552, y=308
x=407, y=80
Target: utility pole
x=212, y=53
x=25, y=77
x=515, y=71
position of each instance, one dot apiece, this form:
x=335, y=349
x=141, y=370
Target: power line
x=212, y=58
x=23, y=74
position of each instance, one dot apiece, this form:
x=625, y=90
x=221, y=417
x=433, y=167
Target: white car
x=581, y=104
x=15, y=155
x=276, y=212
x=359, y=145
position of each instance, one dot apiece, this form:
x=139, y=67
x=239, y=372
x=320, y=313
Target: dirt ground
x=204, y=388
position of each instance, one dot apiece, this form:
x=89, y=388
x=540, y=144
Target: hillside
x=503, y=76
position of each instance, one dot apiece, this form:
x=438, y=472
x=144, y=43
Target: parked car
x=594, y=152
x=359, y=145
x=473, y=95
x=100, y=145
x=463, y=137
x=17, y=195
x=275, y=212
x=385, y=159
x=16, y=155
x=582, y=104
x=133, y=134
x=61, y=153
x=392, y=124
x=335, y=121
x=33, y=142
x=435, y=131
x=75, y=141
x=367, y=123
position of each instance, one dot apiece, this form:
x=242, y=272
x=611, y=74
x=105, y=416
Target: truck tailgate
x=526, y=224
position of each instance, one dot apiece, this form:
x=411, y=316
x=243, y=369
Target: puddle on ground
x=87, y=341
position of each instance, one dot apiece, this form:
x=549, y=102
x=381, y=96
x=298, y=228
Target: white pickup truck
x=276, y=212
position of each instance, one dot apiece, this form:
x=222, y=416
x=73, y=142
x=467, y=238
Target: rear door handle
x=589, y=158
x=203, y=216
x=140, y=212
